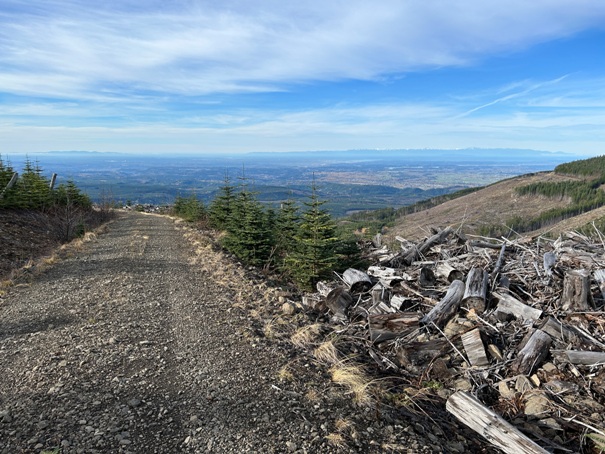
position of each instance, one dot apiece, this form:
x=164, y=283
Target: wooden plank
x=511, y=305
x=473, y=345
x=490, y=425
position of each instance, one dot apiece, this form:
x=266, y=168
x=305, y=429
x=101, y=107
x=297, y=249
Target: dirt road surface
x=132, y=344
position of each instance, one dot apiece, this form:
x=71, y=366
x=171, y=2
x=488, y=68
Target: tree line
x=300, y=242
x=32, y=190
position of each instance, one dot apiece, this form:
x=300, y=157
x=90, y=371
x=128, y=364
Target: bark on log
x=427, y=277
x=358, y=281
x=499, y=263
x=391, y=326
x=474, y=348
x=447, y=272
x=532, y=354
x=576, y=291
x=416, y=251
x=475, y=292
x=511, y=305
x=415, y=356
x=447, y=307
x=490, y=425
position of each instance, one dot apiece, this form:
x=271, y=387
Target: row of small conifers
x=509, y=334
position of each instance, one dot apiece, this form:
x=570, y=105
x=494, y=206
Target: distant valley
x=349, y=180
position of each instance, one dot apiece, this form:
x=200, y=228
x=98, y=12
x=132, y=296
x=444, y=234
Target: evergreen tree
x=189, y=208
x=221, y=207
x=248, y=233
x=285, y=230
x=314, y=256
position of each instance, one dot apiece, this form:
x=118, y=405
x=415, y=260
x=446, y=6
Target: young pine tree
x=248, y=231
x=285, y=231
x=220, y=210
x=314, y=256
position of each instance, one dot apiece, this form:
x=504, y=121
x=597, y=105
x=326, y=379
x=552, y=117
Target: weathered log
x=323, y=288
x=576, y=291
x=568, y=334
x=387, y=275
x=338, y=301
x=585, y=358
x=377, y=240
x=490, y=425
x=426, y=277
x=390, y=326
x=549, y=260
x=447, y=272
x=380, y=293
x=532, y=354
x=510, y=305
x=415, y=356
x=473, y=345
x=475, y=292
x=420, y=249
x=499, y=263
x=358, y=281
x=447, y=307
x=599, y=276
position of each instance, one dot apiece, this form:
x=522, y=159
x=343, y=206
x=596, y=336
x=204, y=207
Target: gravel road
x=131, y=344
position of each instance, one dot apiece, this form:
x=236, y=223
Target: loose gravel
x=134, y=345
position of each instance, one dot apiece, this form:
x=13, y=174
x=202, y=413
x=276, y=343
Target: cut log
x=535, y=350
x=473, y=345
x=447, y=272
x=599, y=276
x=475, y=292
x=427, y=277
x=420, y=249
x=447, y=307
x=391, y=326
x=499, y=263
x=585, y=358
x=358, y=281
x=490, y=425
x=549, y=260
x=377, y=240
x=388, y=276
x=380, y=294
x=568, y=334
x=510, y=305
x=323, y=288
x=338, y=301
x=576, y=291
x=416, y=356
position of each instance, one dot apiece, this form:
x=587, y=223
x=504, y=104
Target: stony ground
x=144, y=341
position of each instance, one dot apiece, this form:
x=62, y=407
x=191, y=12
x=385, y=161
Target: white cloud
x=68, y=48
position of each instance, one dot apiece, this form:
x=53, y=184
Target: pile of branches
x=505, y=336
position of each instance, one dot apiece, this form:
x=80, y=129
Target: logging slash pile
x=504, y=336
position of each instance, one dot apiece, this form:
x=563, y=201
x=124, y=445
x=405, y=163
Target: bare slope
x=493, y=205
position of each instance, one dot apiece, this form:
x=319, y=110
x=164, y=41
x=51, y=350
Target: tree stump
x=475, y=292
x=576, y=291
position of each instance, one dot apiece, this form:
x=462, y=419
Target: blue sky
x=240, y=75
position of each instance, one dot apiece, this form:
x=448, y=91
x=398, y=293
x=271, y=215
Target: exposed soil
x=149, y=340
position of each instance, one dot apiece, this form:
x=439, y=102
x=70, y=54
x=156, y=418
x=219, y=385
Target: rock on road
x=129, y=346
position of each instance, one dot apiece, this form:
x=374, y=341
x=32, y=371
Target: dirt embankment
x=146, y=342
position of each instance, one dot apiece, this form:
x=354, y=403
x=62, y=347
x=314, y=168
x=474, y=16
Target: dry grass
x=355, y=379
x=344, y=425
x=327, y=353
x=312, y=395
x=285, y=374
x=306, y=335
x=336, y=440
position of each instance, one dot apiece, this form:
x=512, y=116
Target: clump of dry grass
x=285, y=374
x=343, y=425
x=355, y=379
x=312, y=395
x=336, y=440
x=305, y=335
x=327, y=353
